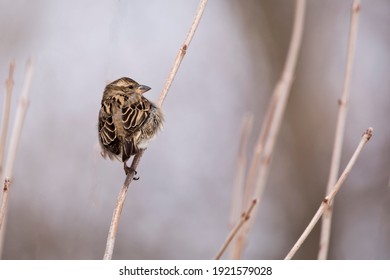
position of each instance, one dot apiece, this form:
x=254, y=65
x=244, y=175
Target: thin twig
x=241, y=162
x=9, y=85
x=332, y=193
x=118, y=208
x=239, y=244
x=19, y=121
x=14, y=142
x=282, y=91
x=7, y=183
x=244, y=218
x=238, y=199
x=122, y=194
x=182, y=52
x=255, y=163
x=340, y=128
x=271, y=125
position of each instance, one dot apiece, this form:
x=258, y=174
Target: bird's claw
x=129, y=169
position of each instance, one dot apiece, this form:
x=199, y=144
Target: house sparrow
x=127, y=120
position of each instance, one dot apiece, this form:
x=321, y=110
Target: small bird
x=127, y=120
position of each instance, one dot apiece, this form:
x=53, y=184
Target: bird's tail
x=128, y=149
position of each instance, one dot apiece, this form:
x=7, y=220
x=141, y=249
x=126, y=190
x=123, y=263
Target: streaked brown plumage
x=127, y=120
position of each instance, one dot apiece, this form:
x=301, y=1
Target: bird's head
x=129, y=86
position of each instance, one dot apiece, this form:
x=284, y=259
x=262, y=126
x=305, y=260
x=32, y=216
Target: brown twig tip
x=7, y=182
x=247, y=214
x=10, y=81
x=244, y=218
x=356, y=7
x=342, y=102
x=368, y=133
x=326, y=200
x=254, y=202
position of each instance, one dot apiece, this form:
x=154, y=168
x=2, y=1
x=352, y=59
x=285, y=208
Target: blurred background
x=63, y=194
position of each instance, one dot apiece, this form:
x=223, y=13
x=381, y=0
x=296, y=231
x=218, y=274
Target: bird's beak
x=142, y=89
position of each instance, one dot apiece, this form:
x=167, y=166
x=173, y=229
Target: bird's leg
x=129, y=169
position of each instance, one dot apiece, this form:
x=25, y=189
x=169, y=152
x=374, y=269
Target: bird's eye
x=131, y=87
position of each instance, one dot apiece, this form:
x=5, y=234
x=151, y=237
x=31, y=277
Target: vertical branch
x=255, y=163
x=113, y=231
x=281, y=92
x=241, y=162
x=14, y=142
x=331, y=194
x=270, y=129
x=9, y=85
x=3, y=206
x=122, y=195
x=238, y=200
x=340, y=128
x=19, y=121
x=182, y=52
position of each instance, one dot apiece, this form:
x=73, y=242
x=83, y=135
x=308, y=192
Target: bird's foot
x=129, y=169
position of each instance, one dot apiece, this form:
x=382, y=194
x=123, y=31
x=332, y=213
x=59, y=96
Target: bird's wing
x=135, y=112
x=107, y=132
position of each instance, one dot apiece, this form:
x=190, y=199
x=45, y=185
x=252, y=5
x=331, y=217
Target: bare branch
x=261, y=160
x=9, y=85
x=340, y=128
x=14, y=142
x=238, y=199
x=241, y=163
x=332, y=193
x=118, y=208
x=281, y=92
x=122, y=194
x=244, y=218
x=7, y=183
x=182, y=52
x=19, y=121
